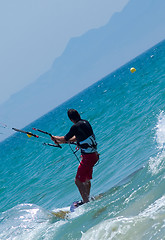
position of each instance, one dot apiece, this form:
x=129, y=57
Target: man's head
x=73, y=115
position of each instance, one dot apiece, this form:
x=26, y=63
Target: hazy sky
x=35, y=32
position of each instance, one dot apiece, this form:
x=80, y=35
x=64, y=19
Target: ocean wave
x=148, y=224
x=27, y=221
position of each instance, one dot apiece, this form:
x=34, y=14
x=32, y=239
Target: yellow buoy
x=132, y=70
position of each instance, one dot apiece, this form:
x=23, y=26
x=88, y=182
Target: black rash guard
x=84, y=135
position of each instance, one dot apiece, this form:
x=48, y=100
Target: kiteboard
x=64, y=213
x=61, y=214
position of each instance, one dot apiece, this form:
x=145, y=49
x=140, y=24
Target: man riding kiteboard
x=82, y=133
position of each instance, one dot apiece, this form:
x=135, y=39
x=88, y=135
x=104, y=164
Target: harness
x=89, y=145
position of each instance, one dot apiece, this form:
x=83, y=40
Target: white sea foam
x=156, y=164
x=160, y=131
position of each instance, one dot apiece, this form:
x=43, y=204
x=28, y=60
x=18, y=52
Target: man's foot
x=78, y=203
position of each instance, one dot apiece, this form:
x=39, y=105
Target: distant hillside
x=89, y=57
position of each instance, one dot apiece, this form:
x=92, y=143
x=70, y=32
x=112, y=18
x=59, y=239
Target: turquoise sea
x=127, y=112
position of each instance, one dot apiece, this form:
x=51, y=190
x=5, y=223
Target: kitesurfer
x=82, y=133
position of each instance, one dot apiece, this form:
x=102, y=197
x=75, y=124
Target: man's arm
x=69, y=137
x=73, y=139
x=58, y=139
x=61, y=139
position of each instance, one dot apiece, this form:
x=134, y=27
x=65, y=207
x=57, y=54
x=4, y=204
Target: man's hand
x=54, y=139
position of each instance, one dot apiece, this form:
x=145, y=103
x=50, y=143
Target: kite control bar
x=39, y=130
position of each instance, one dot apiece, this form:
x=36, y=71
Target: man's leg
x=88, y=187
x=84, y=189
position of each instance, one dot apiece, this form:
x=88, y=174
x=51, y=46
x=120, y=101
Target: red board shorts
x=85, y=169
